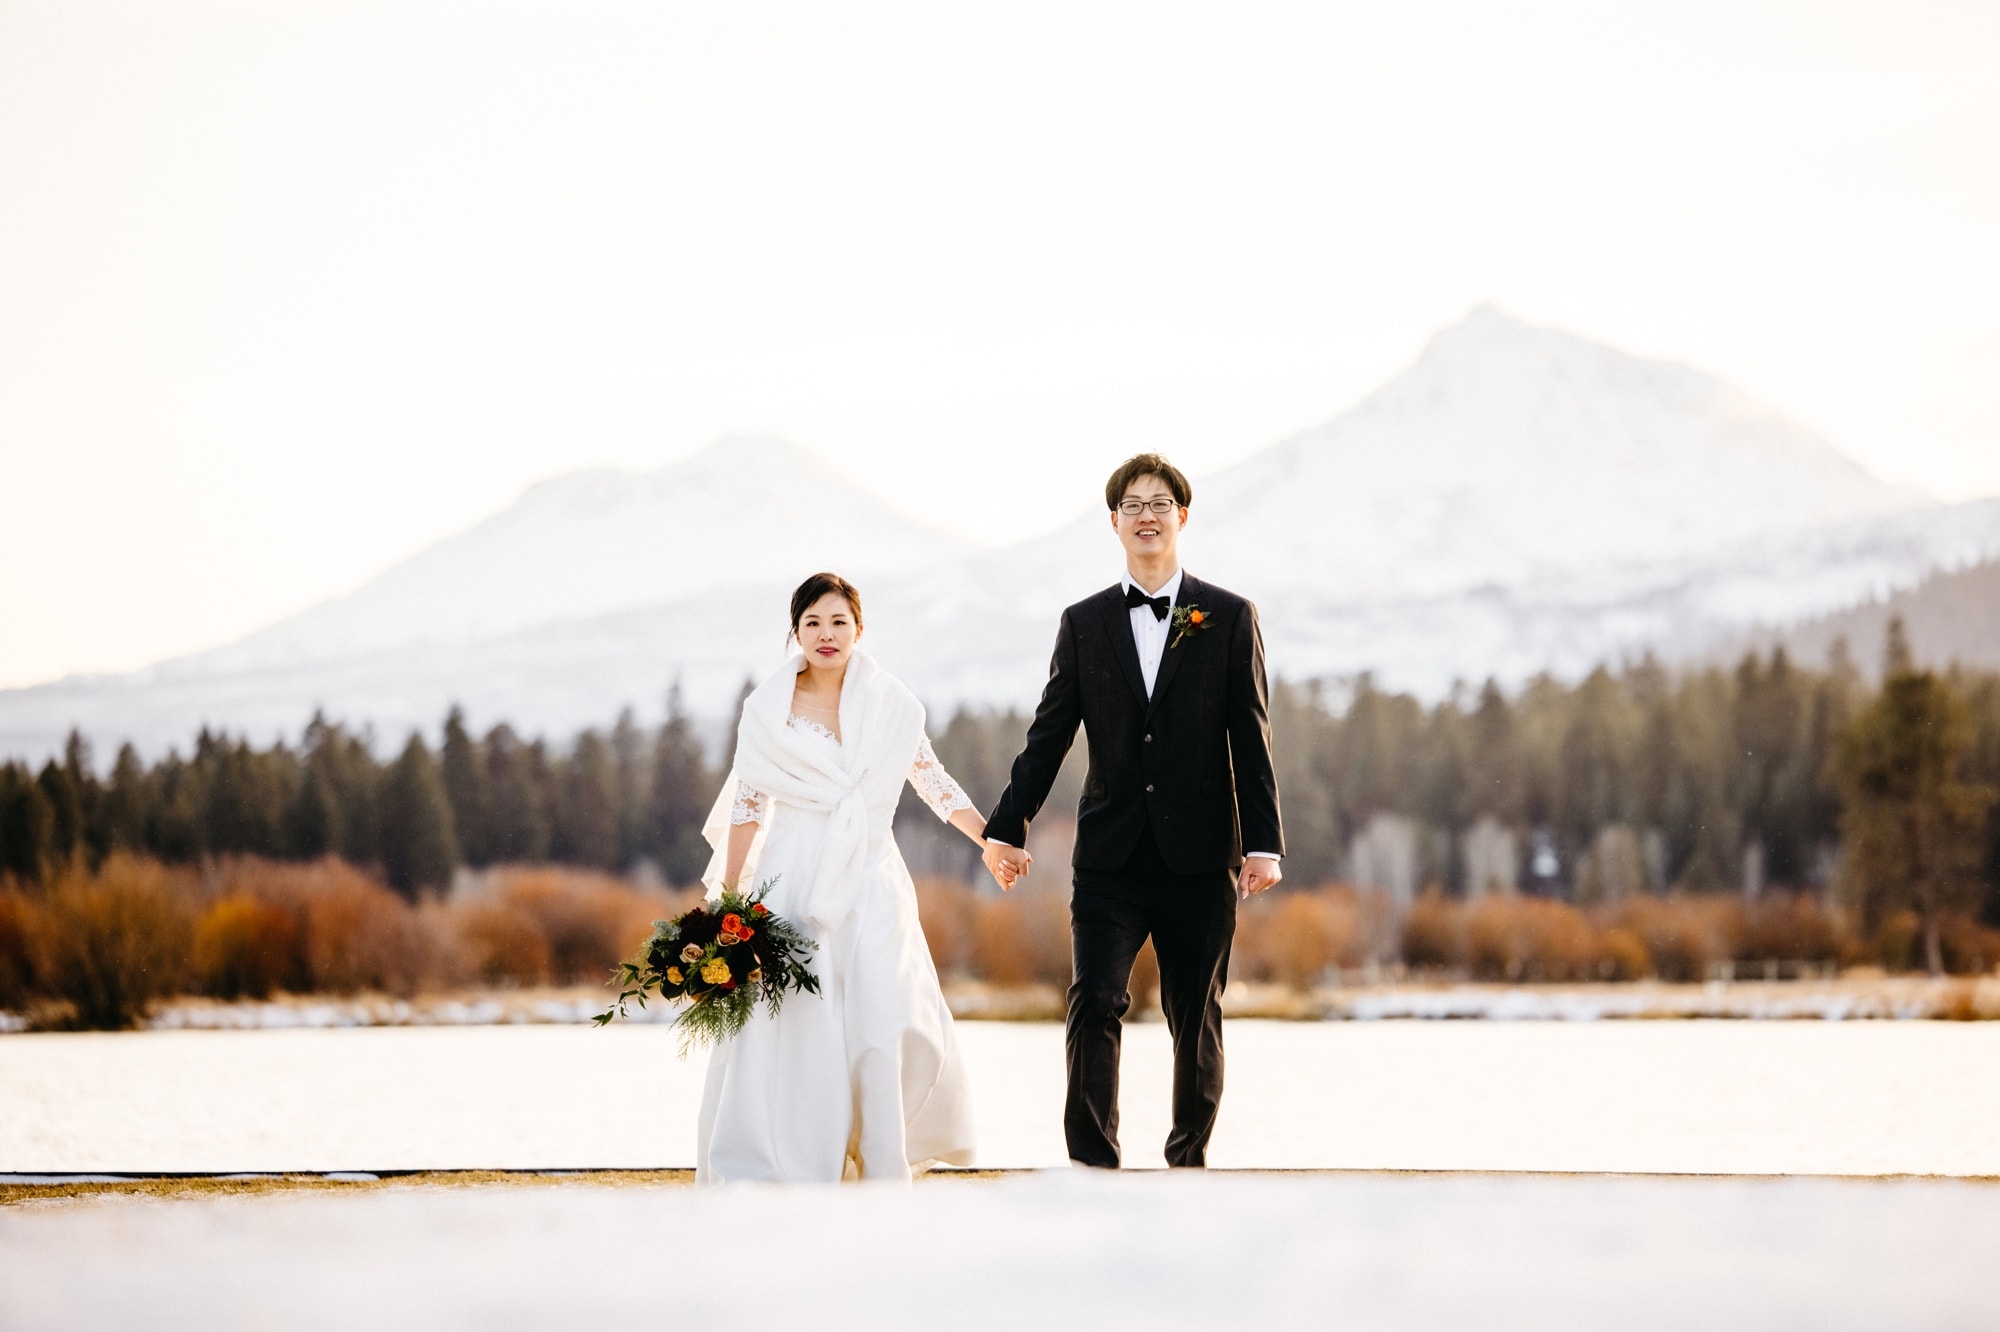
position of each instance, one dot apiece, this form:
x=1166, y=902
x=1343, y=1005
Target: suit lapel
x=1118, y=624
x=1170, y=660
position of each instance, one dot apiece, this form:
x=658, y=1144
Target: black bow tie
x=1134, y=598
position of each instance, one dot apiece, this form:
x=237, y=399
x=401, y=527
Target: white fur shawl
x=856, y=785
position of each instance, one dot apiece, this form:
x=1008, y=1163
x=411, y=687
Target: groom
x=1166, y=675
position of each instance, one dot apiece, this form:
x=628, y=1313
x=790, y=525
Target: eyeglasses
x=1132, y=508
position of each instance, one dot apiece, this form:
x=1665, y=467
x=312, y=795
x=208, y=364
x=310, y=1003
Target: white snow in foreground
x=1057, y=1250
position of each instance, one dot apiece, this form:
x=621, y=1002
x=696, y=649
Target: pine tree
x=470, y=789
x=175, y=832
x=27, y=826
x=633, y=777
x=519, y=830
x=586, y=829
x=419, y=847
x=683, y=788
x=334, y=806
x=1914, y=827
x=128, y=798
x=65, y=799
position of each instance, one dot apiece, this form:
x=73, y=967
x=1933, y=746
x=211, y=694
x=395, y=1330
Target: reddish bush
x=17, y=949
x=1144, y=986
x=1623, y=956
x=246, y=947
x=497, y=943
x=588, y=922
x=1787, y=927
x=110, y=943
x=947, y=908
x=1684, y=936
x=1306, y=933
x=1970, y=949
x=361, y=936
x=1022, y=937
x=1434, y=934
x=1293, y=935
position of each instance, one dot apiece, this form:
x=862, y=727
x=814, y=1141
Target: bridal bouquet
x=722, y=958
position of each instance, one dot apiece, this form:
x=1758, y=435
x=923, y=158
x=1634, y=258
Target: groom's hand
x=1259, y=874
x=1006, y=863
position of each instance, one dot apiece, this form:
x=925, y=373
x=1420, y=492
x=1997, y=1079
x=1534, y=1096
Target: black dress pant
x=1191, y=918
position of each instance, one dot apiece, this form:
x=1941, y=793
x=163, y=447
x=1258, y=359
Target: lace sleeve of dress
x=945, y=796
x=750, y=806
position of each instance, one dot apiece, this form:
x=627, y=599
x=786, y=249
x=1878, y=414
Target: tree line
x=612, y=800
x=1765, y=776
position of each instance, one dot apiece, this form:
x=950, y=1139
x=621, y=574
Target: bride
x=863, y=1080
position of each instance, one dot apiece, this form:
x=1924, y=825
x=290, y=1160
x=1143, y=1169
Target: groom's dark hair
x=818, y=586
x=1146, y=464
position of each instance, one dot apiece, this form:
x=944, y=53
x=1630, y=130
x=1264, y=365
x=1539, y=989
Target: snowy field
x=1675, y=1097
x=1060, y=1249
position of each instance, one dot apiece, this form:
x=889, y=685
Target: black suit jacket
x=1193, y=761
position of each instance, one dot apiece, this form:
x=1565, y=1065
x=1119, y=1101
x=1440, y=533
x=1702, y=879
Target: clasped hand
x=1006, y=863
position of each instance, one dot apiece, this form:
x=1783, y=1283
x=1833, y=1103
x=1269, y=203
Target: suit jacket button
x=1149, y=788
x=1149, y=737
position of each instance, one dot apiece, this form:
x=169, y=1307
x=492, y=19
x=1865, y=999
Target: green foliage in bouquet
x=722, y=958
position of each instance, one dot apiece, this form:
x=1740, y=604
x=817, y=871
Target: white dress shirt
x=1149, y=631
x=1150, y=635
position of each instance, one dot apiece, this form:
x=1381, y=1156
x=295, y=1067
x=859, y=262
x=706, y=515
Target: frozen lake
x=1676, y=1097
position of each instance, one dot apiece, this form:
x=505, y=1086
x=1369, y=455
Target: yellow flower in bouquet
x=674, y=975
x=715, y=971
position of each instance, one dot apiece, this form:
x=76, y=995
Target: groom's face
x=1149, y=534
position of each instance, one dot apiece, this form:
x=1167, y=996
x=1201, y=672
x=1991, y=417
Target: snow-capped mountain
x=603, y=540
x=1519, y=499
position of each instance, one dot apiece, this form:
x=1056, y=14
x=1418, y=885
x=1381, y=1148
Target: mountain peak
x=1508, y=450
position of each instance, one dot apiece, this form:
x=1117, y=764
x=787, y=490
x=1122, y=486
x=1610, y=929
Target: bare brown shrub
x=110, y=943
x=946, y=908
x=1022, y=937
x=589, y=922
x=1960, y=1002
x=361, y=936
x=1306, y=934
x=17, y=948
x=1623, y=956
x=497, y=943
x=1144, y=986
x=1532, y=939
x=1293, y=935
x=1434, y=934
x=1559, y=942
x=1789, y=927
x=1684, y=936
x=1897, y=940
x=1970, y=949
x=245, y=947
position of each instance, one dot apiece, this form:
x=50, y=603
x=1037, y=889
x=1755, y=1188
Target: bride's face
x=827, y=632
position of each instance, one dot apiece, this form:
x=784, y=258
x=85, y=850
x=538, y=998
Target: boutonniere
x=1187, y=620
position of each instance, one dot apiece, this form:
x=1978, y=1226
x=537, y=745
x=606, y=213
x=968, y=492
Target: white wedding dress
x=863, y=1080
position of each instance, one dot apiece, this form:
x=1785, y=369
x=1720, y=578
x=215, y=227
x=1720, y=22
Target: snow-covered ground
x=1676, y=1097
x=1067, y=1250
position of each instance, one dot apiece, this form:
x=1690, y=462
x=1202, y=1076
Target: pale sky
x=289, y=291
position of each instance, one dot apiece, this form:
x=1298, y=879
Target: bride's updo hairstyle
x=818, y=586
